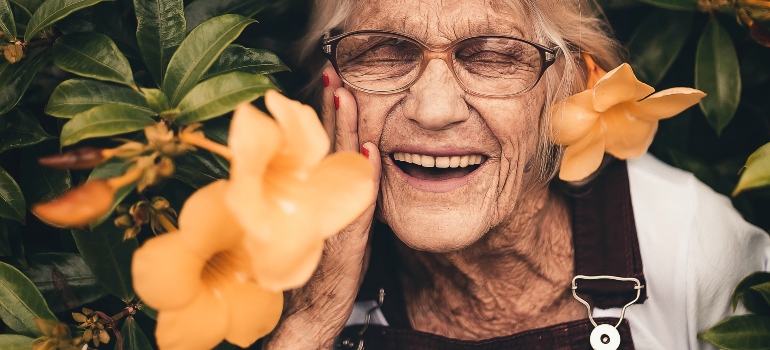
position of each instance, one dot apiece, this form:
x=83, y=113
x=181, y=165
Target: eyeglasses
x=382, y=62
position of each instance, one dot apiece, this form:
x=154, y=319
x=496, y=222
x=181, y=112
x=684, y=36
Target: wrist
x=301, y=332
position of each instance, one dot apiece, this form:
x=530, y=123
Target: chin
x=438, y=210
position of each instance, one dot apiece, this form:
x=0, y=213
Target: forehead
x=439, y=22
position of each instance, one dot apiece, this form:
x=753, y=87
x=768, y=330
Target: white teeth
x=454, y=162
x=439, y=162
x=428, y=161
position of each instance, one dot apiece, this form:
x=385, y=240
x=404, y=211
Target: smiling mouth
x=432, y=168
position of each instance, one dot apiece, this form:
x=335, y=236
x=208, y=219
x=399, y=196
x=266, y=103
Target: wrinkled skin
x=489, y=258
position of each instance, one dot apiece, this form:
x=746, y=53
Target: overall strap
x=605, y=240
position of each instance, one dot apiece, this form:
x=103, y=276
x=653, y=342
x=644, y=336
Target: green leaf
x=681, y=5
x=150, y=312
x=656, y=43
x=104, y=120
x=7, y=23
x=19, y=128
x=756, y=172
x=198, y=52
x=51, y=11
x=92, y=55
x=764, y=290
x=200, y=11
x=133, y=336
x=15, y=78
x=109, y=257
x=243, y=59
x=717, y=73
x=198, y=169
x=29, y=5
x=743, y=291
x=15, y=342
x=21, y=302
x=112, y=168
x=75, y=96
x=740, y=332
x=64, y=276
x=20, y=15
x=5, y=244
x=12, y=204
x=39, y=183
x=220, y=95
x=156, y=99
x=160, y=31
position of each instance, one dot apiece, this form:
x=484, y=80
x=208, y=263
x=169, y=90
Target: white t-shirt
x=695, y=248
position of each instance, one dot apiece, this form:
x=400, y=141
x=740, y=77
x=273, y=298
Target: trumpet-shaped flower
x=242, y=241
x=290, y=202
x=200, y=279
x=618, y=115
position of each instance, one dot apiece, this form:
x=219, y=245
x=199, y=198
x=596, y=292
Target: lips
x=437, y=173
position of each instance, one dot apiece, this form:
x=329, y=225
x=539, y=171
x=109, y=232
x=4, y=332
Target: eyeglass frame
x=329, y=48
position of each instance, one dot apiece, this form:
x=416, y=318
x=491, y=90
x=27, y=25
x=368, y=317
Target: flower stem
x=167, y=225
x=207, y=144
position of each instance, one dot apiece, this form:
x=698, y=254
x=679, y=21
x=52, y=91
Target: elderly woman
x=471, y=245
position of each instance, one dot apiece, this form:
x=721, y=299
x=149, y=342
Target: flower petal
x=666, y=103
x=584, y=157
x=306, y=142
x=285, y=262
x=206, y=223
x=78, y=206
x=338, y=191
x=254, y=139
x=627, y=136
x=619, y=85
x=166, y=272
x=254, y=312
x=200, y=325
x=572, y=118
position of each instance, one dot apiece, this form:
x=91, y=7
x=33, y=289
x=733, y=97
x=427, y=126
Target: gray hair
x=575, y=26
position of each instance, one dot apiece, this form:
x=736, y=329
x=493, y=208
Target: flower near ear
x=290, y=202
x=618, y=115
x=200, y=279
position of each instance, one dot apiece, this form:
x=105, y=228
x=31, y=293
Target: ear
x=592, y=70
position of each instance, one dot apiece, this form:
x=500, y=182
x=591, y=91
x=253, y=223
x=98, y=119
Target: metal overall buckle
x=605, y=336
x=351, y=343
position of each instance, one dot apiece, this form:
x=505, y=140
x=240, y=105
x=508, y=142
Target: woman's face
x=445, y=209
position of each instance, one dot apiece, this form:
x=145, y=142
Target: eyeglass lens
x=484, y=65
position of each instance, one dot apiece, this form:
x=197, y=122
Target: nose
x=435, y=101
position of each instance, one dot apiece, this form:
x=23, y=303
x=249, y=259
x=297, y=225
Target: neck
x=515, y=278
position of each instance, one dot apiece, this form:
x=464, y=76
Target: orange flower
x=618, y=115
x=242, y=241
x=295, y=196
x=200, y=280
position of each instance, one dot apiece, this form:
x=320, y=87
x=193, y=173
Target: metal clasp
x=638, y=288
x=359, y=345
x=605, y=336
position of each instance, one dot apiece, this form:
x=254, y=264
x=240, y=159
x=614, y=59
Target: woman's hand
x=316, y=313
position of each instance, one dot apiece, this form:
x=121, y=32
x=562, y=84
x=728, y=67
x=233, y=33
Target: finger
x=331, y=82
x=346, y=122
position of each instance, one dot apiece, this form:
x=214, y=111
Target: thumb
x=370, y=151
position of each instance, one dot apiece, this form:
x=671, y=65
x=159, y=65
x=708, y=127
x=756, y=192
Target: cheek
x=373, y=111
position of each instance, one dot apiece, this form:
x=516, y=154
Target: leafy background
x=48, y=272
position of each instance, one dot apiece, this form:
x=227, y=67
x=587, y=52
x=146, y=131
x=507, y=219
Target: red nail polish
x=365, y=151
x=326, y=80
x=336, y=102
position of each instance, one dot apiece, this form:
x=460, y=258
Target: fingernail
x=336, y=102
x=326, y=80
x=365, y=151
